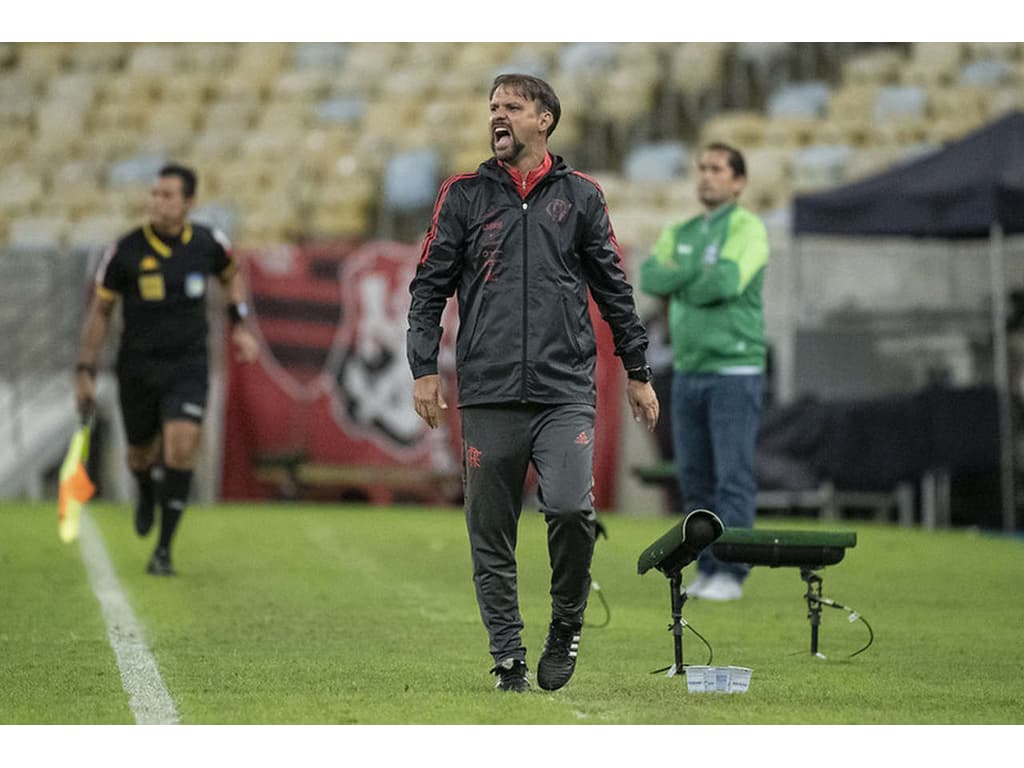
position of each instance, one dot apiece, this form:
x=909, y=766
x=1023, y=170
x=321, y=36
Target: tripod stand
x=813, y=597
x=675, y=580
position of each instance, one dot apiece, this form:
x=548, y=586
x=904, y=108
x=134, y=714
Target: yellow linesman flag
x=75, y=486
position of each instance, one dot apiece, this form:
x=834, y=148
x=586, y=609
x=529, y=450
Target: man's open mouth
x=501, y=137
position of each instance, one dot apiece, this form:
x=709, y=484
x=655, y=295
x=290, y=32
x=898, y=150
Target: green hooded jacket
x=711, y=269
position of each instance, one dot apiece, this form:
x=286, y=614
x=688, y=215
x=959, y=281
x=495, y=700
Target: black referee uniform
x=162, y=362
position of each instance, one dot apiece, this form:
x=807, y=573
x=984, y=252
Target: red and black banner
x=327, y=411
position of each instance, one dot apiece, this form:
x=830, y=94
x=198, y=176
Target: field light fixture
x=676, y=549
x=810, y=551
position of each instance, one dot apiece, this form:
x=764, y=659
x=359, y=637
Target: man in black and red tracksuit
x=520, y=242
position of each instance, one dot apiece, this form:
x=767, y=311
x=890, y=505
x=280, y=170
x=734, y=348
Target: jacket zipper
x=526, y=273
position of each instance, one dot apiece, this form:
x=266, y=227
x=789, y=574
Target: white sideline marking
x=147, y=696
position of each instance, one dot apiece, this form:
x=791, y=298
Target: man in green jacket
x=711, y=270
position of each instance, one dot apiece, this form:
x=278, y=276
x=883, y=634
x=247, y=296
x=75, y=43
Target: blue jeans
x=714, y=430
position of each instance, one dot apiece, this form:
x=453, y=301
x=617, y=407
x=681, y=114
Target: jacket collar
x=491, y=168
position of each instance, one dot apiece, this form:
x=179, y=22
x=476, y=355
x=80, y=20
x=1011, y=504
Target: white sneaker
x=721, y=587
x=694, y=588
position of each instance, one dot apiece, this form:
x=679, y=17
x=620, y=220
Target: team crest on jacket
x=558, y=209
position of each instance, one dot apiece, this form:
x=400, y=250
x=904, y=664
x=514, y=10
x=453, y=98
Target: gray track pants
x=499, y=443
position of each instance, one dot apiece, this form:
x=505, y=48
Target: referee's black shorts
x=152, y=391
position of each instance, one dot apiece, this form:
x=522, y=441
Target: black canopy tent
x=971, y=189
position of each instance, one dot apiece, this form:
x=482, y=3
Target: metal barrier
x=42, y=294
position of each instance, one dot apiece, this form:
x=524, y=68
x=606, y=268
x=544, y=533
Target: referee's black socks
x=146, y=479
x=176, y=486
x=147, y=485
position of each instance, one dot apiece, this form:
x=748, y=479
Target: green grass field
x=360, y=615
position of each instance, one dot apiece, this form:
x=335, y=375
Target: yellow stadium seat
x=876, y=67
x=21, y=186
x=744, y=129
x=97, y=57
x=853, y=102
x=932, y=63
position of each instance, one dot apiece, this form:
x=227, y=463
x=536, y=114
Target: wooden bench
x=296, y=477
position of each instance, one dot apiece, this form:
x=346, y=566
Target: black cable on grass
x=711, y=653
x=854, y=615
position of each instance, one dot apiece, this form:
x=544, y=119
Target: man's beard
x=508, y=154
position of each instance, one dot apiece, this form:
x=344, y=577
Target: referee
x=159, y=273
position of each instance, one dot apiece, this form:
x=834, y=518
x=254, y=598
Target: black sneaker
x=144, y=514
x=512, y=675
x=558, y=659
x=160, y=563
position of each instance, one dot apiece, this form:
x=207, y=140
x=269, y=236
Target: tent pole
x=1002, y=375
x=785, y=352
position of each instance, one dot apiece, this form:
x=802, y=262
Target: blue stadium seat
x=806, y=99
x=586, y=58
x=656, y=161
x=900, y=102
x=320, y=56
x=342, y=109
x=141, y=169
x=411, y=179
x=988, y=73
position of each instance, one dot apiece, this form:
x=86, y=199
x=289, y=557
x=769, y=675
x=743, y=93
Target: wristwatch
x=644, y=373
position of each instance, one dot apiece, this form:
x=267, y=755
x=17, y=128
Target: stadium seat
x=742, y=128
x=215, y=144
x=129, y=88
x=160, y=59
x=364, y=62
x=72, y=88
x=20, y=189
x=300, y=85
x=805, y=99
x=208, y=58
x=956, y=103
x=16, y=142
x=321, y=57
x=411, y=180
x=820, y=166
x=656, y=161
x=758, y=69
x=342, y=109
x=789, y=131
x=192, y=88
x=97, y=58
x=874, y=67
x=988, y=73
x=853, y=103
x=140, y=170
x=899, y=102
x=17, y=101
x=42, y=60
x=865, y=161
x=586, y=60
x=932, y=63
x=994, y=50
x=1003, y=100
x=769, y=167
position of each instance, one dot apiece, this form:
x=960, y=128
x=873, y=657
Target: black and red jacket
x=521, y=268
